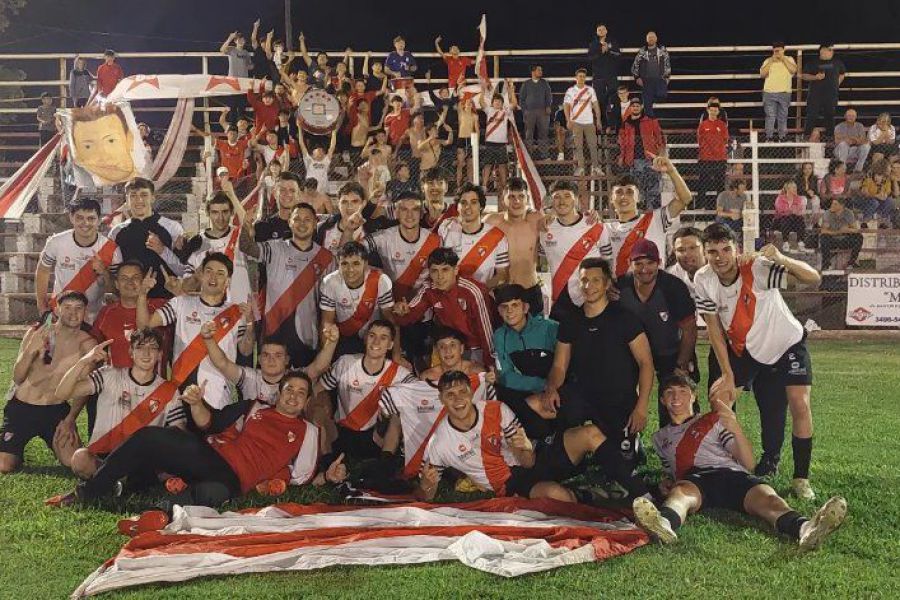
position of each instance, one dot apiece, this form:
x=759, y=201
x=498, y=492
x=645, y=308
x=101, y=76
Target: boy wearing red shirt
x=109, y=74
x=712, y=139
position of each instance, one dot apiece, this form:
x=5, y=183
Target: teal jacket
x=539, y=334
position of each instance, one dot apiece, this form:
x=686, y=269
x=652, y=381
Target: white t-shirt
x=319, y=170
x=481, y=254
x=397, y=256
x=254, y=387
x=337, y=297
x=683, y=275
x=239, y=288
x=564, y=244
x=495, y=129
x=581, y=100
x=356, y=387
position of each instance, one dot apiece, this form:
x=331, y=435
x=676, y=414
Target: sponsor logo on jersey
x=193, y=318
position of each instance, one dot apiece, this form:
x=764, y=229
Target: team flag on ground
x=503, y=536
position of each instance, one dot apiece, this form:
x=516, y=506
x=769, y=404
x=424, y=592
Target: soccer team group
x=395, y=344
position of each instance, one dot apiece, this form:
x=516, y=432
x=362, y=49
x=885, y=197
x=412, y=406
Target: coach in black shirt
x=665, y=308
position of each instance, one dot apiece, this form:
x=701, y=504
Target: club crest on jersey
x=355, y=384
x=481, y=251
x=153, y=406
x=291, y=437
x=494, y=443
x=462, y=448
x=586, y=244
x=745, y=298
x=345, y=301
x=664, y=316
x=8, y=436
x=125, y=398
x=462, y=303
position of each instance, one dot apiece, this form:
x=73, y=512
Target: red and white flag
x=157, y=87
x=171, y=151
x=529, y=171
x=503, y=536
x=481, y=68
x=23, y=185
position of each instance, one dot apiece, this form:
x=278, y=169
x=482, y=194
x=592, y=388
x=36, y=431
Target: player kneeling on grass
x=268, y=444
x=486, y=443
x=708, y=462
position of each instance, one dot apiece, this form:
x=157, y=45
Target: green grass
x=46, y=553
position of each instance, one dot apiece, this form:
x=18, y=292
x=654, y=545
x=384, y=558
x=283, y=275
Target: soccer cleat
x=766, y=467
x=271, y=487
x=149, y=520
x=823, y=523
x=801, y=489
x=650, y=520
x=175, y=485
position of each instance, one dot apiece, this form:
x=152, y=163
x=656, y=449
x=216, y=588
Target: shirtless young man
x=450, y=345
x=521, y=227
x=46, y=353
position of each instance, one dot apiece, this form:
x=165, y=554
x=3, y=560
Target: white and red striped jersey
x=188, y=314
x=752, y=310
x=284, y=262
x=118, y=394
x=66, y=258
x=678, y=271
x=359, y=391
x=419, y=406
x=239, y=287
x=580, y=101
x=655, y=225
x=254, y=387
x=701, y=442
x=565, y=246
x=481, y=254
x=343, y=301
x=404, y=262
x=496, y=125
x=483, y=452
x=331, y=239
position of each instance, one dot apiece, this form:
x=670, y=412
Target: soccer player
x=148, y=236
x=707, y=460
x=629, y=225
x=354, y=296
x=486, y=443
x=188, y=313
x=128, y=399
x=456, y=302
x=483, y=250
x=567, y=240
x=290, y=297
x=521, y=227
x=358, y=380
x=751, y=328
x=347, y=225
x=450, y=346
x=78, y=258
x=665, y=307
x=46, y=353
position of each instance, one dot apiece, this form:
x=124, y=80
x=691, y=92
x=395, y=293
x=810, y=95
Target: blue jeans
x=647, y=182
x=776, y=105
x=886, y=208
x=654, y=89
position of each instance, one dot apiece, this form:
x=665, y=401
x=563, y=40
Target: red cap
x=644, y=248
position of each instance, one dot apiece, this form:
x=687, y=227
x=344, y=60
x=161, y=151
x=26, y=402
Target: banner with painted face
x=105, y=144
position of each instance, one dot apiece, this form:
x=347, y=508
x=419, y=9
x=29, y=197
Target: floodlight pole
x=288, y=30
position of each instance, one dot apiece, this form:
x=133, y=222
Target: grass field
x=46, y=553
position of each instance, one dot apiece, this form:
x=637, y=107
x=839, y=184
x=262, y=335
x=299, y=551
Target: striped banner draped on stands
x=19, y=189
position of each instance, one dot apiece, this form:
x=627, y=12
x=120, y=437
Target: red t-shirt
x=353, y=105
x=232, y=157
x=396, y=125
x=456, y=67
x=115, y=322
x=712, y=138
x=263, y=115
x=107, y=78
x=268, y=442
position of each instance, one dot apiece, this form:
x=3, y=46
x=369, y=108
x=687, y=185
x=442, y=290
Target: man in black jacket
x=604, y=54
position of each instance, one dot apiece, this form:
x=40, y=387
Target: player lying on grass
x=709, y=463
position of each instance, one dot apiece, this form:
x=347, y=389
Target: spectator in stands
x=401, y=183
x=80, y=80
x=618, y=108
x=875, y=196
x=712, y=155
x=456, y=64
x=808, y=187
x=536, y=102
x=730, y=205
x=46, y=118
x=319, y=72
x=109, y=74
x=835, y=184
x=839, y=230
x=583, y=120
x=265, y=111
x=895, y=179
x=640, y=140
x=851, y=140
x=651, y=70
x=790, y=212
x=240, y=60
x=604, y=54
x=824, y=74
x=777, y=70
x=432, y=146
x=400, y=63
x=883, y=138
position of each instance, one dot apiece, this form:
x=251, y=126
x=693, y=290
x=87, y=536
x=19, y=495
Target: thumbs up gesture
x=337, y=471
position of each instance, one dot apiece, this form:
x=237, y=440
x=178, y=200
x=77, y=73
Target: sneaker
x=560, y=156
x=175, y=485
x=650, y=520
x=766, y=467
x=149, y=520
x=801, y=489
x=823, y=523
x=785, y=247
x=579, y=171
x=271, y=487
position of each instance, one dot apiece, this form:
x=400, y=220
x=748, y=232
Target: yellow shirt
x=779, y=78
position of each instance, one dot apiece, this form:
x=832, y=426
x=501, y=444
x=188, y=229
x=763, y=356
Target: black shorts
x=494, y=154
x=23, y=422
x=723, y=488
x=535, y=426
x=793, y=368
x=534, y=296
x=551, y=463
x=357, y=445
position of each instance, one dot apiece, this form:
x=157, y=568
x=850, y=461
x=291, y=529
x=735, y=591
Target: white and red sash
x=577, y=108
x=744, y=311
x=194, y=353
x=291, y=298
x=365, y=308
x=573, y=258
x=357, y=418
x=478, y=253
x=639, y=231
x=405, y=283
x=153, y=405
x=498, y=119
x=690, y=442
x=86, y=276
x=495, y=467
